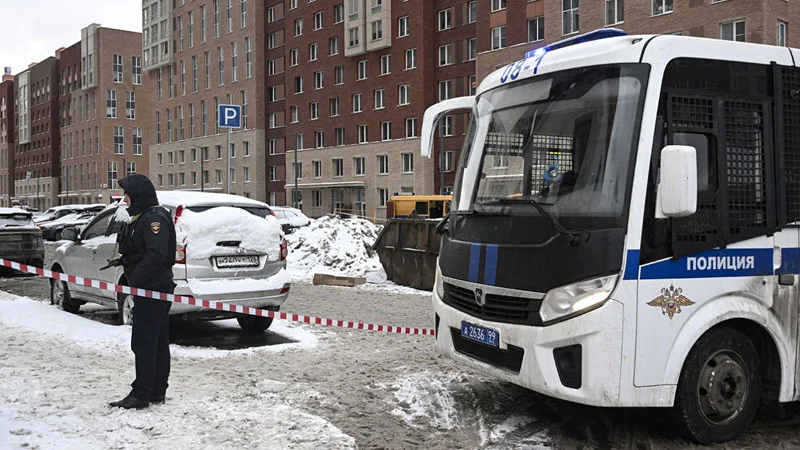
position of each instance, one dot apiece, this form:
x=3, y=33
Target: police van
x=623, y=230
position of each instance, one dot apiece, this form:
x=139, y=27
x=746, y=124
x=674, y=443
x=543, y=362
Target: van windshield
x=565, y=141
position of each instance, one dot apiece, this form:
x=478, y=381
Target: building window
x=408, y=162
x=333, y=46
x=137, y=141
x=230, y=16
x=202, y=23
x=659, y=7
x=536, y=29
x=446, y=55
x=359, y=167
x=334, y=107
x=294, y=114
x=473, y=84
x=119, y=140
x=402, y=27
x=294, y=57
x=234, y=61
x=221, y=65
x=569, y=15
x=194, y=73
x=243, y=10
x=377, y=30
x=383, y=197
x=246, y=148
x=292, y=4
x=319, y=139
x=338, y=75
x=298, y=141
x=472, y=49
x=204, y=118
x=338, y=13
x=271, y=67
x=472, y=11
x=356, y=103
x=386, y=64
x=379, y=99
x=248, y=57
x=411, y=127
x=313, y=109
x=136, y=69
x=615, y=12
x=386, y=131
x=404, y=94
x=183, y=77
x=316, y=198
x=298, y=27
x=352, y=34
x=447, y=161
x=317, y=169
x=446, y=126
x=781, y=34
x=362, y=70
x=207, y=59
x=298, y=85
x=338, y=167
x=411, y=58
x=111, y=104
x=445, y=19
x=499, y=37
x=383, y=164
x=340, y=136
x=363, y=134
x=273, y=173
x=319, y=80
x=445, y=89
x=216, y=18
x=497, y=5
x=312, y=51
x=117, y=65
x=130, y=105
x=733, y=31
x=298, y=170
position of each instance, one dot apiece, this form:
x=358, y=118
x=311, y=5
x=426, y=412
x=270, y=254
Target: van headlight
x=577, y=297
x=438, y=284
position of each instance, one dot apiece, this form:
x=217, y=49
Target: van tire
x=254, y=324
x=719, y=387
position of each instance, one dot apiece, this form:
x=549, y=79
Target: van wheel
x=59, y=296
x=254, y=324
x=719, y=387
x=125, y=308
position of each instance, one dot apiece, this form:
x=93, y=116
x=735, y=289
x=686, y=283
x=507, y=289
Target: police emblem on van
x=479, y=298
x=670, y=301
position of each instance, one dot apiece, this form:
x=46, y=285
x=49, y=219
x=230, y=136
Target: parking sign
x=230, y=116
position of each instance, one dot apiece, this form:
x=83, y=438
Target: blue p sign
x=230, y=116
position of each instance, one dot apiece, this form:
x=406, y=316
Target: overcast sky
x=33, y=30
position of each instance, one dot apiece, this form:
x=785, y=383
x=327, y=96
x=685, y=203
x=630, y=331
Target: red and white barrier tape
x=211, y=304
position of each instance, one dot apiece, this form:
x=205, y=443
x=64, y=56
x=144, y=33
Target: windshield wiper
x=573, y=237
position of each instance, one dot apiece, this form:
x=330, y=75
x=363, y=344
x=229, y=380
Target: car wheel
x=59, y=296
x=57, y=236
x=254, y=324
x=719, y=386
x=125, y=308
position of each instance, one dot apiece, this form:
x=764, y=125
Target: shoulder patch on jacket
x=155, y=227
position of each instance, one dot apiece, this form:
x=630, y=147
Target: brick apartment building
x=6, y=137
x=36, y=131
x=104, y=111
x=197, y=55
x=356, y=78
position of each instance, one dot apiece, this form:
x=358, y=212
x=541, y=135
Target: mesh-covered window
x=789, y=178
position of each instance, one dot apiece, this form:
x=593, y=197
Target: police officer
x=147, y=249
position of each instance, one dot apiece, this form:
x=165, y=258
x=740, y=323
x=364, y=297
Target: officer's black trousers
x=150, y=344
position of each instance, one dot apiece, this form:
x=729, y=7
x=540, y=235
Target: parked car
x=51, y=231
x=58, y=212
x=226, y=251
x=20, y=238
x=290, y=218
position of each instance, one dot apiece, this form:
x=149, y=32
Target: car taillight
x=178, y=212
x=272, y=213
x=284, y=249
x=180, y=253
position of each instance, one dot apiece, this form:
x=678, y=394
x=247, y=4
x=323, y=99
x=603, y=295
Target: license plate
x=225, y=262
x=480, y=334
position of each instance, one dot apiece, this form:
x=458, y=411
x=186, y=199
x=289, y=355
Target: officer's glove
x=111, y=263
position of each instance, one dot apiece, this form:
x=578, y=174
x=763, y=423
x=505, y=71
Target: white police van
x=624, y=227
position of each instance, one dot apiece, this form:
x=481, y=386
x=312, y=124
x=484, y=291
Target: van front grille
x=496, y=308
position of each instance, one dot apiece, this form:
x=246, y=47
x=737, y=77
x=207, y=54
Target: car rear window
x=16, y=220
x=254, y=210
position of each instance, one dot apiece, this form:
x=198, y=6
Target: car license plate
x=225, y=262
x=480, y=334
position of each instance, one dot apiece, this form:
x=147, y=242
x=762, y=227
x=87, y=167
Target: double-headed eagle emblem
x=670, y=301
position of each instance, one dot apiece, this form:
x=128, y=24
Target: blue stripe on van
x=725, y=263
x=490, y=271
x=474, y=262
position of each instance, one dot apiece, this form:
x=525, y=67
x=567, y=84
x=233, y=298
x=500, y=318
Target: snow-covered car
x=51, y=231
x=290, y=218
x=20, y=238
x=60, y=211
x=229, y=248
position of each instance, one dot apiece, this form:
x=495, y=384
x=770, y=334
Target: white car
x=60, y=211
x=290, y=218
x=229, y=249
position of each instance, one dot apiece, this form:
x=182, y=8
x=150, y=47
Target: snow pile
x=335, y=246
x=203, y=230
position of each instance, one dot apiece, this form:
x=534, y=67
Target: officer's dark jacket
x=147, y=243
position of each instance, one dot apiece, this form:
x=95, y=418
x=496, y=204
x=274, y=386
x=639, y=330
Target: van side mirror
x=677, y=187
x=432, y=116
x=70, y=234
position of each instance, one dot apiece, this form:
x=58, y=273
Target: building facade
x=7, y=119
x=358, y=78
x=104, y=114
x=216, y=57
x=36, y=154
